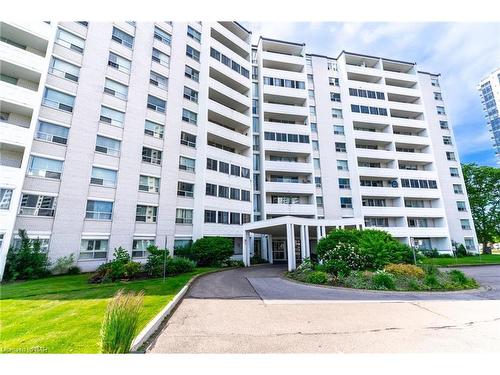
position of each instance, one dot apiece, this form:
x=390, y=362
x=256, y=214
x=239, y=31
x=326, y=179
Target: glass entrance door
x=279, y=250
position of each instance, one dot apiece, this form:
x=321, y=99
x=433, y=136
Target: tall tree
x=483, y=189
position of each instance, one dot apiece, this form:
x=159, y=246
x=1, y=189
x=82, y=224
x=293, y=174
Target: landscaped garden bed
x=372, y=259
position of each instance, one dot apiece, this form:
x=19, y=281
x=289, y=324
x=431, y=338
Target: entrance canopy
x=295, y=230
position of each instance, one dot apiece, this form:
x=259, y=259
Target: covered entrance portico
x=290, y=238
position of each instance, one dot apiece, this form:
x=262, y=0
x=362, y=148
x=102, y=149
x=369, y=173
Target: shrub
x=458, y=277
x=430, y=269
x=383, y=280
x=233, y=263
x=339, y=257
x=74, y=270
x=63, y=264
x=408, y=270
x=178, y=265
x=431, y=253
x=156, y=260
x=26, y=262
x=120, y=267
x=211, y=251
x=461, y=251
x=131, y=269
x=121, y=322
x=317, y=277
x=432, y=281
x=257, y=260
x=379, y=248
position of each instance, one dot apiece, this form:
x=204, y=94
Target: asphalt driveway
x=255, y=310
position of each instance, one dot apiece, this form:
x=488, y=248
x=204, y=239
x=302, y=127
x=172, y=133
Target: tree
x=483, y=188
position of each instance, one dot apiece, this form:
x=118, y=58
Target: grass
x=63, y=314
x=465, y=261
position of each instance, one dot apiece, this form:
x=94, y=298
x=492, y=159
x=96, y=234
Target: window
x=457, y=189
x=447, y=140
x=194, y=34
x=185, y=189
x=64, y=69
x=146, y=214
x=210, y=216
x=192, y=73
x=465, y=224
x=364, y=109
x=37, y=205
x=340, y=147
x=43, y=167
x=149, y=184
x=235, y=218
x=418, y=223
x=342, y=165
x=333, y=81
x=245, y=195
x=461, y=206
x=336, y=113
x=107, y=146
x=434, y=81
x=188, y=139
x=156, y=104
x=160, y=57
x=152, y=156
x=116, y=89
x=162, y=36
x=443, y=124
x=335, y=97
x=312, y=111
x=245, y=218
x=317, y=181
x=184, y=216
x=69, y=40
x=190, y=94
x=338, y=129
x=235, y=170
x=454, y=172
x=437, y=96
x=223, y=217
x=212, y=164
x=153, y=129
x=103, y=177
x=211, y=189
x=158, y=80
x=99, y=210
x=255, y=106
x=140, y=246
x=440, y=110
x=223, y=191
x=193, y=53
x=93, y=249
x=234, y=194
x=181, y=243
x=118, y=62
x=122, y=38
x=186, y=164
x=316, y=163
x=450, y=156
x=311, y=93
x=112, y=116
x=52, y=133
x=469, y=244
x=5, y=196
x=376, y=222
x=319, y=201
x=314, y=127
x=345, y=202
x=344, y=183
x=58, y=100
x=315, y=145
x=245, y=172
x=189, y=116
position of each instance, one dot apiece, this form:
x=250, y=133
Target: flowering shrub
x=405, y=270
x=342, y=258
x=317, y=277
x=383, y=280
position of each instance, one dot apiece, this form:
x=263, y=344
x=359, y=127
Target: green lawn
x=63, y=314
x=482, y=259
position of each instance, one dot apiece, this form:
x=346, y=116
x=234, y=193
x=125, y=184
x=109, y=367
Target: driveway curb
x=155, y=323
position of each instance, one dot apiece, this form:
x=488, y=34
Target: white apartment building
x=161, y=132
x=489, y=91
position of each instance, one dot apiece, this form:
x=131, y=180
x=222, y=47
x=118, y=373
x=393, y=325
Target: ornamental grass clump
x=402, y=270
x=121, y=321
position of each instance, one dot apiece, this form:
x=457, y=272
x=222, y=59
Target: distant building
x=489, y=90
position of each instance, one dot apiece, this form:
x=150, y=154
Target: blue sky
x=463, y=53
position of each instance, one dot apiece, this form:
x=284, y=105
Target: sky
x=464, y=53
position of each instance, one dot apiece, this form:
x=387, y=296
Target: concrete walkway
x=255, y=310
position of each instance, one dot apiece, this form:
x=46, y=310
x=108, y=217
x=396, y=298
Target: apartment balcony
x=411, y=139
x=287, y=92
x=231, y=137
x=283, y=109
x=281, y=61
x=235, y=97
x=406, y=91
x=417, y=232
x=230, y=40
x=364, y=70
x=387, y=211
x=290, y=209
x=279, y=127
x=410, y=78
x=284, y=166
x=21, y=58
x=228, y=72
x=411, y=123
x=75, y=28
x=418, y=174
x=409, y=107
x=378, y=172
x=231, y=54
x=421, y=193
x=18, y=95
x=429, y=212
x=375, y=154
x=380, y=191
x=232, y=157
x=34, y=35
x=287, y=147
x=284, y=74
x=221, y=113
x=415, y=156
x=373, y=136
x=367, y=118
x=289, y=187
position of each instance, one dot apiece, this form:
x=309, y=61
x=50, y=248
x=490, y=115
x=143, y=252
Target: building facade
x=489, y=91
x=141, y=133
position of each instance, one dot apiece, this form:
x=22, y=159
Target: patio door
x=279, y=250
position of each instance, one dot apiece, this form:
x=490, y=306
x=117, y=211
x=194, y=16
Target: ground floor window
x=182, y=242
x=139, y=247
x=93, y=249
x=421, y=243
